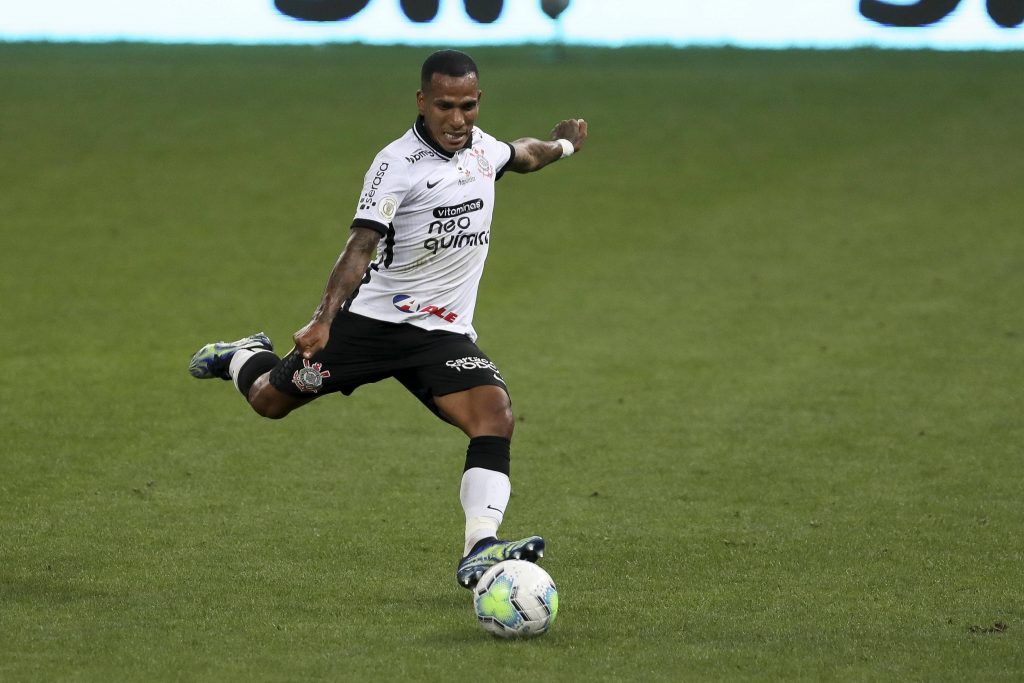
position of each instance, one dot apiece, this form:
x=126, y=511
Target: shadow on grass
x=44, y=590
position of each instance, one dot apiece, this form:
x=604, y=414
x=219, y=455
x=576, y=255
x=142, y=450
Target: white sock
x=484, y=497
x=237, y=361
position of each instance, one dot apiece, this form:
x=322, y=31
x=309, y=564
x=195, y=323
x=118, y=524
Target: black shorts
x=362, y=350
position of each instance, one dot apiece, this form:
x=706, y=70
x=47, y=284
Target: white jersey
x=433, y=210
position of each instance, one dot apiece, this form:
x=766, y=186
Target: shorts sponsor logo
x=310, y=377
x=473, y=363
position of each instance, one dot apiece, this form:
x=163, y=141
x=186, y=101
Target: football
x=516, y=599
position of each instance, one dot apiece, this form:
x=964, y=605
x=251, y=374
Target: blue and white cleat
x=213, y=359
x=491, y=551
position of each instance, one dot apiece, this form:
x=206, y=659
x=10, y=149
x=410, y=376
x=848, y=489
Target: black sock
x=490, y=453
x=260, y=363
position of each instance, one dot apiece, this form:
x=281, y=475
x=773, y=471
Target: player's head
x=449, y=97
x=447, y=63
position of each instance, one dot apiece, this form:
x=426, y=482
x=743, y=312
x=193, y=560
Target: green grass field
x=764, y=338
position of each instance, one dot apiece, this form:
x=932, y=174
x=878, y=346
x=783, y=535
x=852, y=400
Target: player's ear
x=421, y=102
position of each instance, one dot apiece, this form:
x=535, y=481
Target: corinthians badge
x=482, y=164
x=310, y=377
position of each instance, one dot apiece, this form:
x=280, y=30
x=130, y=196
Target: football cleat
x=213, y=359
x=490, y=552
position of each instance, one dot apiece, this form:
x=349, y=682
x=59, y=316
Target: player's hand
x=311, y=338
x=573, y=130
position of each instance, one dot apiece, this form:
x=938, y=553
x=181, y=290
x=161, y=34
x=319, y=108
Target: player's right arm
x=348, y=272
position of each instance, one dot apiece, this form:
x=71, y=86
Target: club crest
x=482, y=164
x=309, y=378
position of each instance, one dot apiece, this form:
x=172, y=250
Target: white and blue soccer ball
x=516, y=599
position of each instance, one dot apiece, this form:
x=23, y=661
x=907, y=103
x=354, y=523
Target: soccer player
x=399, y=301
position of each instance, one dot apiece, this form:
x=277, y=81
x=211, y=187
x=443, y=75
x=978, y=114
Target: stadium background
x=764, y=338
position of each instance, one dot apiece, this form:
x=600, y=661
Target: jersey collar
x=420, y=128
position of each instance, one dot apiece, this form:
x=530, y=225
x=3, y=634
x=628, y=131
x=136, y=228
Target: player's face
x=449, y=108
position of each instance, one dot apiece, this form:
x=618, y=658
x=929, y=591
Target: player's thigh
x=461, y=385
x=358, y=352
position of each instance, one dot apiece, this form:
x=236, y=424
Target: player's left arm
x=532, y=154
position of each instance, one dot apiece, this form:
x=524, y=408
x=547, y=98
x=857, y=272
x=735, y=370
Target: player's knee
x=481, y=411
x=272, y=410
x=501, y=421
x=270, y=403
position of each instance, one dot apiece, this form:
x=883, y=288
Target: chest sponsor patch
x=459, y=209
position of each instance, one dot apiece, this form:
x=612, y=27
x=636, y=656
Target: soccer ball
x=516, y=599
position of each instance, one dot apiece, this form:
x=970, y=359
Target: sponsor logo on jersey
x=405, y=303
x=366, y=201
x=454, y=233
x=440, y=312
x=458, y=210
x=310, y=377
x=420, y=154
x=464, y=172
x=457, y=241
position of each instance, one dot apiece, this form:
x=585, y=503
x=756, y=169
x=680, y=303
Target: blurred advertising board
x=935, y=24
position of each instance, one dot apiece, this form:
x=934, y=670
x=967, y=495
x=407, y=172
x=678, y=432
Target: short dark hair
x=446, y=63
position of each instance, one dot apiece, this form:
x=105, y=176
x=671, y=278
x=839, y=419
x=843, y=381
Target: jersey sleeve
x=384, y=188
x=506, y=151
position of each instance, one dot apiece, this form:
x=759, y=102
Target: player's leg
x=459, y=384
x=248, y=362
x=269, y=401
x=483, y=410
x=484, y=413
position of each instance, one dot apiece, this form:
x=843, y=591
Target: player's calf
x=271, y=403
